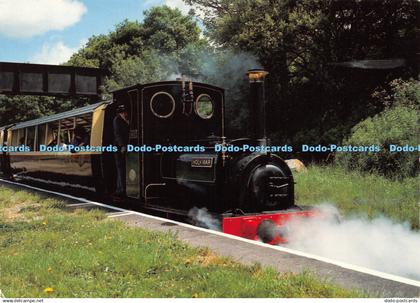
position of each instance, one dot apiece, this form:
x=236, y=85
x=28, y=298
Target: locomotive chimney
x=257, y=104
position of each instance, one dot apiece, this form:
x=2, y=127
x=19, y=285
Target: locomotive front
x=259, y=180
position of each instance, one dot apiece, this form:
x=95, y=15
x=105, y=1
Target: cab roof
x=139, y=85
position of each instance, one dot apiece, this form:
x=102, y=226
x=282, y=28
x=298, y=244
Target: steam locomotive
x=181, y=126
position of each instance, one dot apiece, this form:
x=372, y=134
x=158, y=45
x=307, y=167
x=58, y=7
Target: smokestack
x=257, y=103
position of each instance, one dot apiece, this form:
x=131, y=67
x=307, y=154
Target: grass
x=48, y=251
x=360, y=194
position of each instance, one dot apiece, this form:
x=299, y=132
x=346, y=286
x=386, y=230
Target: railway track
x=249, y=251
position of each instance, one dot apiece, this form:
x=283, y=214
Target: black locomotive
x=189, y=165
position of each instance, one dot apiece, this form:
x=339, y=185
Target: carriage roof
x=71, y=113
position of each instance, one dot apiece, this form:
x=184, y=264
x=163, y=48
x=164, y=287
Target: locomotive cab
x=174, y=125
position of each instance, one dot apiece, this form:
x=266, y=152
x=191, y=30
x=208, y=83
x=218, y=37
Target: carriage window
x=162, y=105
x=52, y=133
x=20, y=136
x=66, y=130
x=85, y=121
x=80, y=135
x=30, y=137
x=204, y=106
x=14, y=137
x=41, y=135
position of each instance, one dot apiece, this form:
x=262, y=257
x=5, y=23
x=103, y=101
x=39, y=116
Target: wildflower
x=44, y=223
x=48, y=290
x=49, y=269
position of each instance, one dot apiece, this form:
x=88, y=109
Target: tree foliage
x=398, y=124
x=311, y=100
x=21, y=108
x=142, y=51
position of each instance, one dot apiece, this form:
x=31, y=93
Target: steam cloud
x=203, y=218
x=378, y=244
x=224, y=68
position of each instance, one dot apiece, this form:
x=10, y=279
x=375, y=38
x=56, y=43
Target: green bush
x=398, y=124
x=406, y=93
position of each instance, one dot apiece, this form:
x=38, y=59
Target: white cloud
x=179, y=4
x=184, y=8
x=55, y=53
x=148, y=3
x=27, y=18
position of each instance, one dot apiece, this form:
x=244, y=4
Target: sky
x=50, y=31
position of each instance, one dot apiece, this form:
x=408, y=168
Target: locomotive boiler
x=178, y=155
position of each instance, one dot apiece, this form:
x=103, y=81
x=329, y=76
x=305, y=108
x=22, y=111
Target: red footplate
x=269, y=227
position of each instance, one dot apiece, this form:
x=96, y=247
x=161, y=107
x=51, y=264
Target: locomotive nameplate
x=202, y=162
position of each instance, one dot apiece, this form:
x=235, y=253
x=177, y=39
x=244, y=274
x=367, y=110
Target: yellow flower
x=49, y=269
x=48, y=290
x=44, y=223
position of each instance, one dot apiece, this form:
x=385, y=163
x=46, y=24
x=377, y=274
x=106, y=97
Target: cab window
x=204, y=106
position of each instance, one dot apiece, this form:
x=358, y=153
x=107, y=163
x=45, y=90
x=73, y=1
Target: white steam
x=225, y=68
x=173, y=76
x=378, y=244
x=203, y=218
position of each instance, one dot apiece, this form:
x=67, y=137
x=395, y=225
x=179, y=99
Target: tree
x=146, y=51
x=164, y=30
x=168, y=30
x=147, y=68
x=398, y=124
x=22, y=108
x=297, y=40
x=96, y=53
